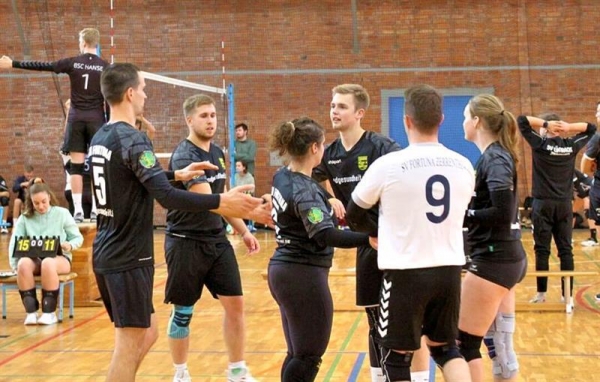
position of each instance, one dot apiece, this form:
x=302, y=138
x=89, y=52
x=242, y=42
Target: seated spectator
x=243, y=177
x=19, y=188
x=42, y=217
x=4, y=200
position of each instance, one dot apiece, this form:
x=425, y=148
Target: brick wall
x=284, y=59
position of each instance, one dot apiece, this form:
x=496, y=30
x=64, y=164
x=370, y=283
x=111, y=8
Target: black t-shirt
x=300, y=210
x=344, y=169
x=553, y=161
x=494, y=171
x=3, y=185
x=87, y=102
x=121, y=160
x=198, y=225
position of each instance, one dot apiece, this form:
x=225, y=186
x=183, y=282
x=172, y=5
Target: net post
x=231, y=128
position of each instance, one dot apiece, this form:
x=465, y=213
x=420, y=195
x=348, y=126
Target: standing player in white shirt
x=423, y=192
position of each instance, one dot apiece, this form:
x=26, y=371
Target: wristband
x=545, y=125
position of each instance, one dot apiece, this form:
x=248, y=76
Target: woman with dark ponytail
x=487, y=309
x=306, y=234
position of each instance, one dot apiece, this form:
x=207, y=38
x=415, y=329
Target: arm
x=333, y=237
x=587, y=165
x=7, y=63
x=360, y=219
x=18, y=230
x=500, y=213
x=74, y=237
x=233, y=203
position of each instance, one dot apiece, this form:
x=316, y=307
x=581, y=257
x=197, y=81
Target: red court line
x=583, y=302
x=36, y=345
x=42, y=342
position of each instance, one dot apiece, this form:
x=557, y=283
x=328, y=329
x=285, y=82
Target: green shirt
x=56, y=222
x=246, y=151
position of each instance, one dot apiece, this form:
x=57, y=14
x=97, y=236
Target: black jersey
x=344, y=169
x=553, y=161
x=495, y=171
x=87, y=102
x=122, y=159
x=198, y=225
x=300, y=210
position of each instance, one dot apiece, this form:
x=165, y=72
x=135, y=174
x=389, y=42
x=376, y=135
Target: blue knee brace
x=179, y=323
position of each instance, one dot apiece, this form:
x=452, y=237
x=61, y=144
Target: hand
x=194, y=170
x=66, y=247
x=251, y=243
x=236, y=203
x=338, y=208
x=374, y=242
x=262, y=214
x=5, y=62
x=558, y=127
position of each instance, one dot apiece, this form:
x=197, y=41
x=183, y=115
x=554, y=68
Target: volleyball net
x=164, y=109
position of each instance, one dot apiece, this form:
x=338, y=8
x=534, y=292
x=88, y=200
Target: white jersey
x=423, y=191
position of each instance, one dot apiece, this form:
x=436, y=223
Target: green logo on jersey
x=315, y=215
x=147, y=159
x=222, y=161
x=363, y=162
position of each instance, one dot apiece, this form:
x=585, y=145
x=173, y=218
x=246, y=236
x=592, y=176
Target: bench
x=7, y=283
x=567, y=305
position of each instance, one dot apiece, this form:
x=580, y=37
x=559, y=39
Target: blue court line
x=338, y=358
x=356, y=368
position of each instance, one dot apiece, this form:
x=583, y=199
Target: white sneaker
x=538, y=298
x=78, y=217
x=31, y=319
x=47, y=319
x=240, y=375
x=3, y=230
x=589, y=243
x=182, y=377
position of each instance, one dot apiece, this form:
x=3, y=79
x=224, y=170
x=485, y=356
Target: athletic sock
x=77, y=203
x=237, y=365
x=419, y=376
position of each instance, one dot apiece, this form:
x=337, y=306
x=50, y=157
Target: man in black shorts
x=198, y=252
x=344, y=162
x=126, y=178
x=423, y=192
x=87, y=111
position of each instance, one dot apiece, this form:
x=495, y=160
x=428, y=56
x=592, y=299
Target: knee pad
x=30, y=301
x=77, y=168
x=396, y=366
x=179, y=322
x=301, y=368
x=506, y=364
x=49, y=298
x=444, y=353
x=4, y=201
x=469, y=345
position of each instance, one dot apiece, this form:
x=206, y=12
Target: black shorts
x=504, y=273
x=417, y=302
x=127, y=296
x=368, y=277
x=594, y=212
x=191, y=264
x=78, y=136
